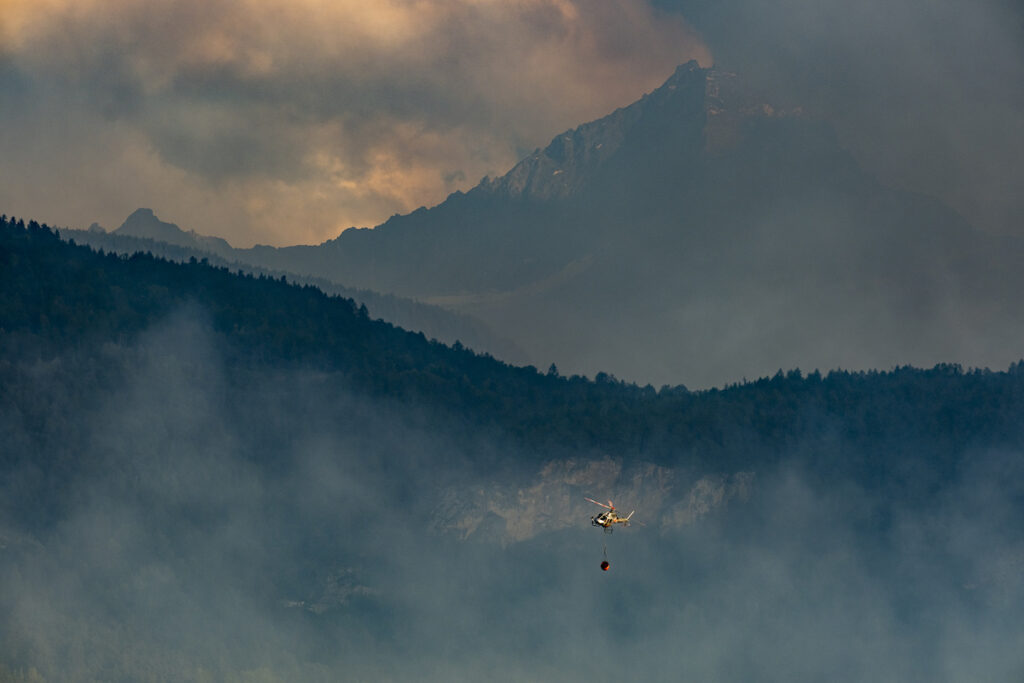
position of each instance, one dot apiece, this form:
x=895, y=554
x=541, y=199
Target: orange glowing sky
x=286, y=121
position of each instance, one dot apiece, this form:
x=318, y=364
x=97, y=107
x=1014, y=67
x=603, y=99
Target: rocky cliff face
x=665, y=499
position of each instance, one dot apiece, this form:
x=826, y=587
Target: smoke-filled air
x=533, y=340
x=209, y=523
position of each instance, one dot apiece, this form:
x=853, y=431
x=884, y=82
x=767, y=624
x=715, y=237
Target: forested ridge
x=213, y=476
x=57, y=295
x=413, y=315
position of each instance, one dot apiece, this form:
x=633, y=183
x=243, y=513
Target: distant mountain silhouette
x=699, y=235
x=168, y=241
x=213, y=471
x=143, y=223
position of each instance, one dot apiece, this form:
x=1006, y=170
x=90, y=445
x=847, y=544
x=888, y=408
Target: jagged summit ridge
x=694, y=105
x=144, y=223
x=563, y=167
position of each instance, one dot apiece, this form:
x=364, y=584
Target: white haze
x=274, y=526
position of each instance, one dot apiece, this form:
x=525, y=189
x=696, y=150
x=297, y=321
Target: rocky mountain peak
x=695, y=110
x=571, y=159
x=143, y=223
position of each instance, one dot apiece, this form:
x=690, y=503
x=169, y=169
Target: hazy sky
x=286, y=121
x=926, y=93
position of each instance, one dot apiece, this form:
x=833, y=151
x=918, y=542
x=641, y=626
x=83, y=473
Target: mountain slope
x=214, y=476
x=144, y=224
x=433, y=321
x=700, y=236
x=66, y=297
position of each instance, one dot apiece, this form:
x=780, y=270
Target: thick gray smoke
x=923, y=91
x=222, y=524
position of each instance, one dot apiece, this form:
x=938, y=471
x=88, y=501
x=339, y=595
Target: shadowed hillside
x=699, y=235
x=214, y=476
x=433, y=321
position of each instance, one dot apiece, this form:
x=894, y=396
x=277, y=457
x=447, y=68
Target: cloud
x=285, y=122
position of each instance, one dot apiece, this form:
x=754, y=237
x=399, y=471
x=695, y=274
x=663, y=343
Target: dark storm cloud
x=287, y=122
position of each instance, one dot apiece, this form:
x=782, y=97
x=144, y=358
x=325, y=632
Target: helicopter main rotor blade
x=596, y=503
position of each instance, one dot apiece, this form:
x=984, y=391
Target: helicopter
x=609, y=517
